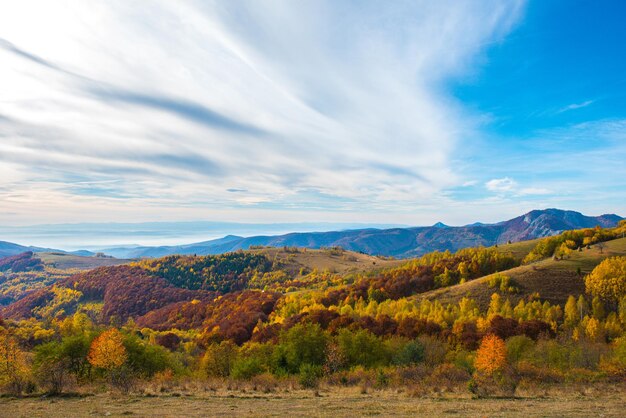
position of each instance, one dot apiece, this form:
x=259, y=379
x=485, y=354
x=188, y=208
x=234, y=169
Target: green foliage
x=245, y=368
x=619, y=351
x=302, y=344
x=361, y=348
x=146, y=359
x=552, y=355
x=223, y=273
x=309, y=375
x=517, y=347
x=411, y=353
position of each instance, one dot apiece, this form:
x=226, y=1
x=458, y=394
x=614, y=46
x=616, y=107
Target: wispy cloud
x=310, y=106
x=575, y=106
x=505, y=184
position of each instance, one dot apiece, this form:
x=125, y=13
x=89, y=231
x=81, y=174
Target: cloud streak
x=213, y=110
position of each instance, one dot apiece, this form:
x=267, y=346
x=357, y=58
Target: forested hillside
x=274, y=311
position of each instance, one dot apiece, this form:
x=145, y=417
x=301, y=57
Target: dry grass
x=70, y=261
x=519, y=250
x=601, y=400
x=323, y=260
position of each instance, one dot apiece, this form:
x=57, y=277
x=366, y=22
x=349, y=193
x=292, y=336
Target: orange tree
x=107, y=350
x=491, y=355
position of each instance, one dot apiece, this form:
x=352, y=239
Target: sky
x=394, y=112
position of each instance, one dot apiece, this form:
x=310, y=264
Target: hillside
x=554, y=280
x=396, y=242
x=25, y=272
x=180, y=290
x=171, y=279
x=8, y=249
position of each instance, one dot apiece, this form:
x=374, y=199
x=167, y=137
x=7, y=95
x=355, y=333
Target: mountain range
x=397, y=242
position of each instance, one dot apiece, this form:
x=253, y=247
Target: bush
x=411, y=353
x=434, y=350
x=144, y=359
x=302, y=344
x=245, y=368
x=517, y=347
x=361, y=348
x=51, y=367
x=309, y=376
x=219, y=358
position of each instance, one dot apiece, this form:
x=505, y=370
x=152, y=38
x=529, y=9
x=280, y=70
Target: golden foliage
x=13, y=367
x=491, y=355
x=608, y=279
x=107, y=350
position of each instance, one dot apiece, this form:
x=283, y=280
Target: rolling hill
x=396, y=242
x=554, y=280
x=253, y=294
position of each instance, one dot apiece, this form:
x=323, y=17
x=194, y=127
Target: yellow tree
x=13, y=368
x=571, y=312
x=608, y=280
x=491, y=355
x=107, y=350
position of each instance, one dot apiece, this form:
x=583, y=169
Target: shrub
x=361, y=348
x=51, y=367
x=245, y=368
x=411, y=353
x=517, y=347
x=434, y=350
x=303, y=344
x=146, y=359
x=218, y=359
x=309, y=375
x=448, y=374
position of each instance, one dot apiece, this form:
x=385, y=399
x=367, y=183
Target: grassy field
x=342, y=262
x=554, y=280
x=606, y=400
x=519, y=250
x=63, y=261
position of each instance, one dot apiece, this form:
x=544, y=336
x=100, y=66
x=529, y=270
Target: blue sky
x=404, y=112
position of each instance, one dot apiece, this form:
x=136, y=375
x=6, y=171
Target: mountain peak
x=440, y=225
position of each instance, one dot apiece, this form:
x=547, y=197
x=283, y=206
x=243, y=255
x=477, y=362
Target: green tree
x=361, y=348
x=303, y=344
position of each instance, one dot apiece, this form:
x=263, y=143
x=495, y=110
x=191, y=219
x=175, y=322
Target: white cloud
x=575, y=106
x=113, y=109
x=526, y=191
x=502, y=185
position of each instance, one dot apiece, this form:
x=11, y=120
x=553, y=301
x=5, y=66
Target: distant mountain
x=8, y=249
x=397, y=242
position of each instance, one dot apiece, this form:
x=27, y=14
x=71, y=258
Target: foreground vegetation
x=244, y=321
